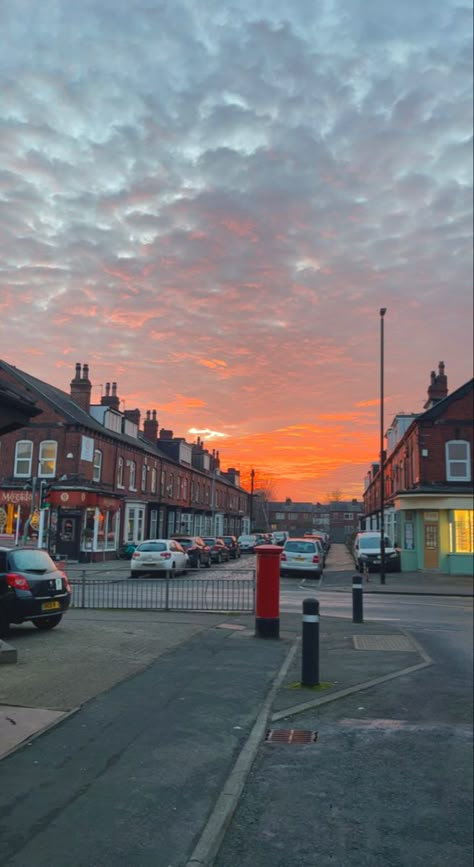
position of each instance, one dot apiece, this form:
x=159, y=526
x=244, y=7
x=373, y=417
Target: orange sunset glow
x=218, y=237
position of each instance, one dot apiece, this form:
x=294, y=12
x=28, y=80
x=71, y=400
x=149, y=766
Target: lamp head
x=383, y=311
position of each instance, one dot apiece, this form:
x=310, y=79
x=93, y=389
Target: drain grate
x=290, y=736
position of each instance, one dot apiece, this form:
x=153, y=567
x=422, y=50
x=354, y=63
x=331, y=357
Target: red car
x=219, y=550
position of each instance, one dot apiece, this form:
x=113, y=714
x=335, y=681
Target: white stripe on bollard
x=357, y=586
x=310, y=618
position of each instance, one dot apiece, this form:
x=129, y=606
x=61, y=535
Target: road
x=389, y=783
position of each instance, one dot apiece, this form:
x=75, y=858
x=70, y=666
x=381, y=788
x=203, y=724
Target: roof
x=19, y=408
x=438, y=408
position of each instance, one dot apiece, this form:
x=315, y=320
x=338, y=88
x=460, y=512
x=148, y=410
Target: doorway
x=68, y=534
x=431, y=537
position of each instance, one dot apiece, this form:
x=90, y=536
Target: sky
x=209, y=203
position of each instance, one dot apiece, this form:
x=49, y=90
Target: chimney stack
x=81, y=388
x=150, y=427
x=438, y=387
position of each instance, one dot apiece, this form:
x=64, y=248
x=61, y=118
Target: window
x=97, y=468
x=120, y=473
x=153, y=480
x=462, y=531
x=170, y=490
x=144, y=472
x=47, y=458
x=132, y=476
x=458, y=461
x=23, y=458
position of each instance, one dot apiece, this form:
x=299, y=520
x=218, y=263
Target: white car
x=301, y=555
x=158, y=557
x=247, y=543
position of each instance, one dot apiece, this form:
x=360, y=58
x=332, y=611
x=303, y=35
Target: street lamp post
x=252, y=482
x=383, y=311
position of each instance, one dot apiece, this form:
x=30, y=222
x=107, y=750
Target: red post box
x=267, y=601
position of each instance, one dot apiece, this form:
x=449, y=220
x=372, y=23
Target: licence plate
x=50, y=606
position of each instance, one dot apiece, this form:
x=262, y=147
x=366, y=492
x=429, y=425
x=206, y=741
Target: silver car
x=158, y=557
x=302, y=555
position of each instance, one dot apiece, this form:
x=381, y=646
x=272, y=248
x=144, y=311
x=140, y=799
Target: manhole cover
x=290, y=736
x=383, y=642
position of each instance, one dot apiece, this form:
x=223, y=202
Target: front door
x=69, y=534
x=431, y=553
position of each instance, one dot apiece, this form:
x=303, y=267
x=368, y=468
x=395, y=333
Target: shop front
x=15, y=510
x=83, y=526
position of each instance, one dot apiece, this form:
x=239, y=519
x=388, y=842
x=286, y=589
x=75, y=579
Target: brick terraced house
x=428, y=474
x=104, y=480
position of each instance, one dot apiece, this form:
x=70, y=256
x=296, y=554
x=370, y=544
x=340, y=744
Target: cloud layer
x=209, y=205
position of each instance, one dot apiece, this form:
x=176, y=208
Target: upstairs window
x=120, y=473
x=23, y=458
x=132, y=476
x=458, y=461
x=144, y=472
x=47, y=458
x=97, y=467
x=153, y=480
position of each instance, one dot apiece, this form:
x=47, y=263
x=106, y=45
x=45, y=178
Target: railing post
x=167, y=594
x=357, y=600
x=83, y=589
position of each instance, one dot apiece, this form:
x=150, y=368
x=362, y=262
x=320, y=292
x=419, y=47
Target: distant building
x=338, y=518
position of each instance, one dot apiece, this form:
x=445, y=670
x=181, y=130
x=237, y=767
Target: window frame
x=120, y=468
x=450, y=461
x=132, y=476
x=17, y=459
x=97, y=465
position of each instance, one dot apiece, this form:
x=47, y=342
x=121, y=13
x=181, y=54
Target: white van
x=366, y=553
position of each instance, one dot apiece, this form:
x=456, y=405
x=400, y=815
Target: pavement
x=161, y=739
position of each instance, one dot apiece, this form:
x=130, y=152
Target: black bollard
x=357, y=600
x=310, y=647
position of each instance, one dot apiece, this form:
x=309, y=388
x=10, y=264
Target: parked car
x=367, y=553
x=219, y=550
x=198, y=552
x=32, y=588
x=233, y=545
x=280, y=537
x=247, y=543
x=301, y=555
x=318, y=537
x=158, y=557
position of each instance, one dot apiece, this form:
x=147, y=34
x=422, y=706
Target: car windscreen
x=209, y=541
x=152, y=546
x=229, y=540
x=300, y=547
x=246, y=538
x=31, y=560
x=186, y=543
x=372, y=543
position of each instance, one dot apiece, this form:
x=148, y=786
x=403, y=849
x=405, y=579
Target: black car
x=219, y=550
x=31, y=588
x=199, y=554
x=232, y=544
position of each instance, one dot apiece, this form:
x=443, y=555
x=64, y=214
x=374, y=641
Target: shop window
x=97, y=467
x=23, y=458
x=120, y=473
x=462, y=535
x=458, y=461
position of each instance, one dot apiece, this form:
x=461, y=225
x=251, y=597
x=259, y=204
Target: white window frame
x=144, y=472
x=132, y=476
x=153, y=480
x=466, y=462
x=120, y=473
x=97, y=466
x=27, y=460
x=42, y=460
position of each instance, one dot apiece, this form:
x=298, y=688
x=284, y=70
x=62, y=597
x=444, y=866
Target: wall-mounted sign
x=87, y=449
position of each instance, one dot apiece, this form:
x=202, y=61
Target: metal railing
x=227, y=593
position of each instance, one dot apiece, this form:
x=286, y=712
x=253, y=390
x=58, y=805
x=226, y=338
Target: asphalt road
x=389, y=781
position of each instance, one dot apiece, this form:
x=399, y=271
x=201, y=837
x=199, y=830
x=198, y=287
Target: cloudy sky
x=208, y=202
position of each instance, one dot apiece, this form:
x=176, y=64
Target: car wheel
x=48, y=622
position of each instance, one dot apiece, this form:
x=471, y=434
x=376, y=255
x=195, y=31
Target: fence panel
x=177, y=594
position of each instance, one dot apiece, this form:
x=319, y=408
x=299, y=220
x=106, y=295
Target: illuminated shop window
x=462, y=535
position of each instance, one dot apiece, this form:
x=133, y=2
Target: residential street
x=160, y=757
